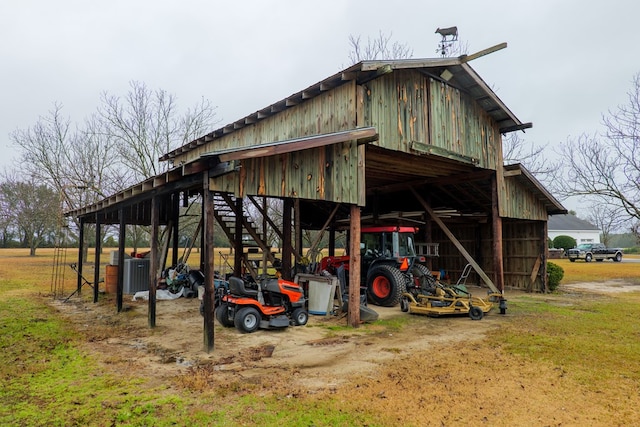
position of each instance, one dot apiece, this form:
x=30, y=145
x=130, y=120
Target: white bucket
x=321, y=297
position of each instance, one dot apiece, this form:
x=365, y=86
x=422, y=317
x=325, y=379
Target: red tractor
x=389, y=265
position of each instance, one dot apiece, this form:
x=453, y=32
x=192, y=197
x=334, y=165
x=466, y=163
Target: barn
x=413, y=141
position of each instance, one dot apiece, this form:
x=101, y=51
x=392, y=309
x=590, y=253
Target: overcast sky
x=567, y=62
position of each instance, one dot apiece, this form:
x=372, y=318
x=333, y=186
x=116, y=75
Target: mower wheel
x=247, y=319
x=222, y=315
x=404, y=304
x=476, y=313
x=300, y=317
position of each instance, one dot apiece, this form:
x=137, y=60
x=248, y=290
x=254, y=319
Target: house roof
x=455, y=72
x=570, y=222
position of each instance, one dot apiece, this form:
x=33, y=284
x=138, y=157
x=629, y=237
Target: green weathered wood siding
x=325, y=173
x=523, y=242
x=406, y=106
x=519, y=202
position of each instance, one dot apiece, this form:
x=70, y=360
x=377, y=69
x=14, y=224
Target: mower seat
x=236, y=287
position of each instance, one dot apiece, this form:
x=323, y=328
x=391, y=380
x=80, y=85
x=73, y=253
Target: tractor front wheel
x=385, y=285
x=300, y=317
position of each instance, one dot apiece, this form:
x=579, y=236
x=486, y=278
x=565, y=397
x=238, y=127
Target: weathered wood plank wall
x=521, y=245
x=325, y=173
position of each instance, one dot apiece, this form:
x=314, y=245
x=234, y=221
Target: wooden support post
x=208, y=256
x=496, y=226
x=122, y=236
x=297, y=230
x=175, y=198
x=80, y=258
x=545, y=252
x=96, y=263
x=353, y=312
x=238, y=249
x=332, y=240
x=286, y=234
x=153, y=260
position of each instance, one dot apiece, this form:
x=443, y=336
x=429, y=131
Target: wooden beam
x=122, y=235
x=96, y=275
x=286, y=234
x=455, y=241
x=483, y=52
x=153, y=261
x=208, y=255
x=353, y=311
x=297, y=144
x=496, y=226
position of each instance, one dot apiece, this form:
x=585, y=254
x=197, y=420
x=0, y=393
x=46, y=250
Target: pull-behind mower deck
x=448, y=301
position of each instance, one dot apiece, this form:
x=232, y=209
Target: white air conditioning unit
x=136, y=275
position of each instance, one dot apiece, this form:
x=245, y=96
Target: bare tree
x=29, y=205
x=607, y=218
x=145, y=124
x=380, y=47
x=515, y=149
x=607, y=168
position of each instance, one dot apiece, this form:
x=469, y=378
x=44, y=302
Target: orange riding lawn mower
x=269, y=303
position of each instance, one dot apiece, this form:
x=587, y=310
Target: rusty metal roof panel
x=453, y=71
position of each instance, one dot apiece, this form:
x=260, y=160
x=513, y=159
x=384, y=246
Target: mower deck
x=447, y=303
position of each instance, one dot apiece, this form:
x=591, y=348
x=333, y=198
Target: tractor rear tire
x=385, y=285
x=222, y=315
x=247, y=320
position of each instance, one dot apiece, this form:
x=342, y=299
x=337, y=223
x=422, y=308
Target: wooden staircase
x=226, y=211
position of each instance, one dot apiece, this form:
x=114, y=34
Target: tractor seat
x=236, y=287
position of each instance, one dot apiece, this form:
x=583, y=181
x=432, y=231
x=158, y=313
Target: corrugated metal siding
x=406, y=106
x=519, y=202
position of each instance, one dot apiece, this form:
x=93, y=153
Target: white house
x=570, y=225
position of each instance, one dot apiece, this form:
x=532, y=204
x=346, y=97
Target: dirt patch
x=323, y=353
x=429, y=371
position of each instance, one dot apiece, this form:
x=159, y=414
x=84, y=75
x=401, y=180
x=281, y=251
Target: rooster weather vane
x=449, y=35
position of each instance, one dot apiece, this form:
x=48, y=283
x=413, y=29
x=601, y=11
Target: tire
x=572, y=259
x=424, y=277
x=404, y=304
x=618, y=257
x=222, y=315
x=476, y=313
x=588, y=258
x=300, y=317
x=247, y=320
x=385, y=285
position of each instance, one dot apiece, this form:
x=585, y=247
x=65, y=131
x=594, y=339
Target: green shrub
x=564, y=242
x=555, y=274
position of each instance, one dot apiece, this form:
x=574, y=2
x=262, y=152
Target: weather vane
x=449, y=35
